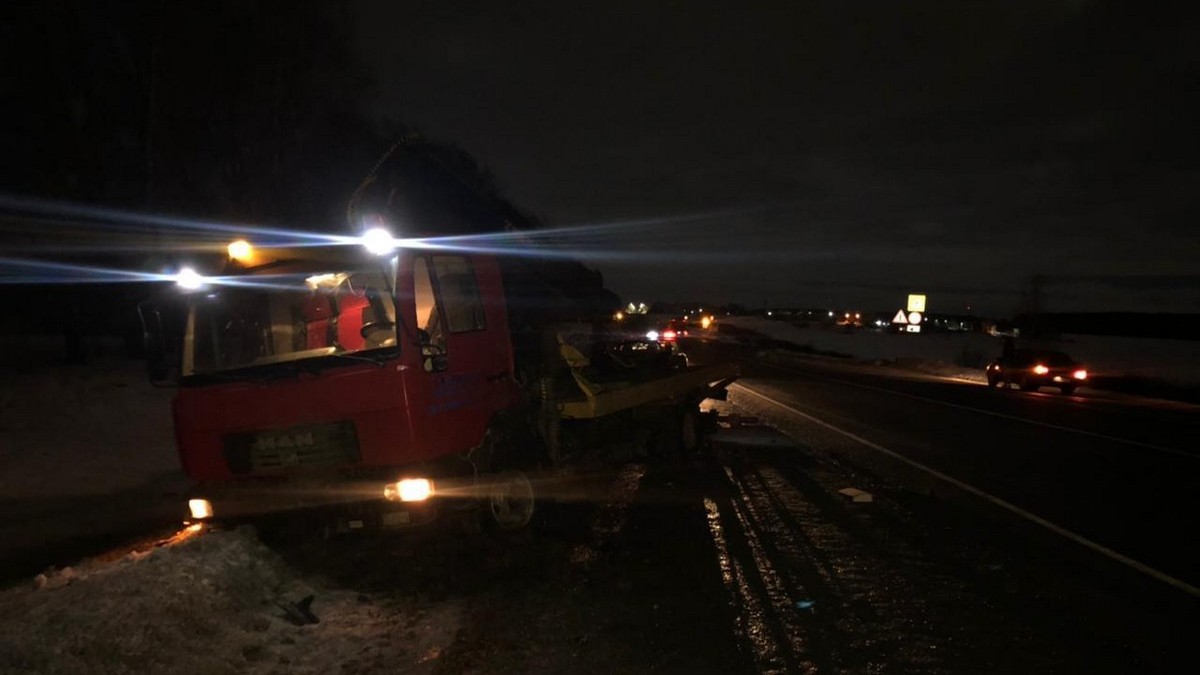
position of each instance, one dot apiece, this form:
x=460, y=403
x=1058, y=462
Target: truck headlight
x=409, y=490
x=200, y=508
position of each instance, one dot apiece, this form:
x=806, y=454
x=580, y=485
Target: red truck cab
x=325, y=378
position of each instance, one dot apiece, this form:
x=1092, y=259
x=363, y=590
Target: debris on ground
x=856, y=495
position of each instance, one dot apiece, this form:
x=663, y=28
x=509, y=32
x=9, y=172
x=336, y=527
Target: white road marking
x=981, y=411
x=1008, y=506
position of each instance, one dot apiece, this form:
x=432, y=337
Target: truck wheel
x=1067, y=389
x=1026, y=385
x=511, y=501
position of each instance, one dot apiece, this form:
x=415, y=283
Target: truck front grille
x=292, y=448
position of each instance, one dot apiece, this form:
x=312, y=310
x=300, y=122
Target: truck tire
x=1026, y=385
x=511, y=501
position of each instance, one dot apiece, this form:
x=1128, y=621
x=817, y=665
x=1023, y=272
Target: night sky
x=820, y=154
x=828, y=153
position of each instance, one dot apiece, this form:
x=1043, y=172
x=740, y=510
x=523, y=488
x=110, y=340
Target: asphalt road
x=1122, y=474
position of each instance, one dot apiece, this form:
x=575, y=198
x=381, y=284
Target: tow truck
x=383, y=386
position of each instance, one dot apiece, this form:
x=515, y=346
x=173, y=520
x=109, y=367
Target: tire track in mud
x=814, y=593
x=876, y=602
x=612, y=515
x=779, y=637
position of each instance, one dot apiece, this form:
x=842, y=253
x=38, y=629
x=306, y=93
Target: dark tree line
x=243, y=110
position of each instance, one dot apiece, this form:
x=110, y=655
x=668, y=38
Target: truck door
x=460, y=316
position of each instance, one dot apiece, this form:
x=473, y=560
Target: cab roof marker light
x=189, y=279
x=378, y=241
x=240, y=250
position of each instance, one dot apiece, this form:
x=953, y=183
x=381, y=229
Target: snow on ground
x=82, y=430
x=85, y=450
x=962, y=354
x=210, y=604
x=963, y=349
x=1176, y=361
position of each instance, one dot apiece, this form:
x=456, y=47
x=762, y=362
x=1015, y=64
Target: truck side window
x=428, y=318
x=460, y=293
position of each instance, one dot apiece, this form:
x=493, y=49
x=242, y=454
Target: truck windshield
x=279, y=319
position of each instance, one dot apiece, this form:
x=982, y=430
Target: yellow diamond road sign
x=916, y=303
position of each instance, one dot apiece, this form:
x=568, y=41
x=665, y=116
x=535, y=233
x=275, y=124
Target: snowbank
x=1173, y=361
x=87, y=457
x=213, y=603
x=966, y=349
x=83, y=430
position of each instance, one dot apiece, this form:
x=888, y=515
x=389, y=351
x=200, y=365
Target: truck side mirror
x=435, y=360
x=159, y=367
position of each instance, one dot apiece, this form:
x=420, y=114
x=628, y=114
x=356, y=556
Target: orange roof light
x=240, y=250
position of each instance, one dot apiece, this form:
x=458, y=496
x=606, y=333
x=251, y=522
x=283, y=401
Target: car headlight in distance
x=409, y=490
x=200, y=508
x=1080, y=374
x=1040, y=369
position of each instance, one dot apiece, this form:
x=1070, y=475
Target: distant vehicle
x=673, y=330
x=1033, y=369
x=640, y=340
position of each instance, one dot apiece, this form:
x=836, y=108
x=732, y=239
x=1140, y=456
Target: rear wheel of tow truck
x=511, y=502
x=508, y=500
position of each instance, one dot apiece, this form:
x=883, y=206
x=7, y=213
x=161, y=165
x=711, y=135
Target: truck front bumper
x=349, y=504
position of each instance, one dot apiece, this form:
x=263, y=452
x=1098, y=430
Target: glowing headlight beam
x=154, y=225
x=26, y=271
